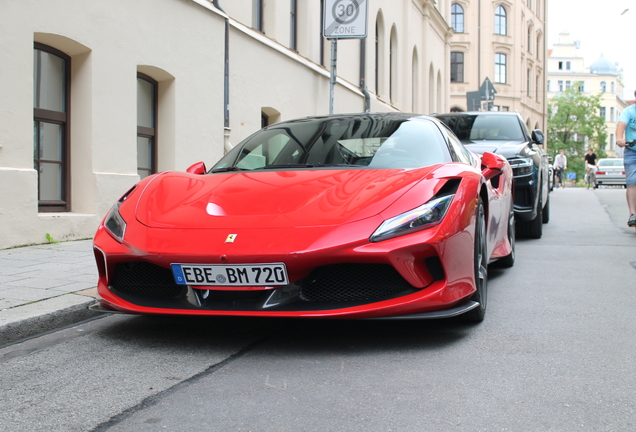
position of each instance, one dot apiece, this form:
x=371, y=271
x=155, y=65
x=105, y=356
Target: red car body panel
x=307, y=219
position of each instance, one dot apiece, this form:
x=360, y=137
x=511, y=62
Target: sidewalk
x=45, y=287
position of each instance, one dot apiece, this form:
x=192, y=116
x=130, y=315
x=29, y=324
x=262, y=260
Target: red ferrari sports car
x=342, y=216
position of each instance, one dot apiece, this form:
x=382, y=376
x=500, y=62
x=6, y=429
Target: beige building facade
x=95, y=95
x=502, y=41
x=566, y=68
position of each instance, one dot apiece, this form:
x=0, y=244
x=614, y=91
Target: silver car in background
x=610, y=172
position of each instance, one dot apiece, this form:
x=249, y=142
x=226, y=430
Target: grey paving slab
x=42, y=282
x=9, y=303
x=27, y=294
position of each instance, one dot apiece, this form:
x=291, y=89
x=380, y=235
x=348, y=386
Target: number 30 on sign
x=345, y=19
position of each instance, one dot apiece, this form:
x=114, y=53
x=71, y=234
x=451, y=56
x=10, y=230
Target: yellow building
x=504, y=41
x=566, y=67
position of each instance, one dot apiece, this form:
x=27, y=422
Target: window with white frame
x=457, y=18
x=501, y=21
x=457, y=67
x=500, y=68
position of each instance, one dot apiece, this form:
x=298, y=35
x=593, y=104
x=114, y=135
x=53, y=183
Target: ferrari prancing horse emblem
x=231, y=238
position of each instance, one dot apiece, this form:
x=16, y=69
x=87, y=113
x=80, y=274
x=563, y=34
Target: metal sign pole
x=334, y=62
x=342, y=19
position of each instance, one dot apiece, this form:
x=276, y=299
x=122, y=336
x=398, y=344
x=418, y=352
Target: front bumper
x=525, y=190
x=422, y=272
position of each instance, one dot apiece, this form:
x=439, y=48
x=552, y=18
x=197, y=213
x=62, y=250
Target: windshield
x=610, y=163
x=469, y=128
x=354, y=141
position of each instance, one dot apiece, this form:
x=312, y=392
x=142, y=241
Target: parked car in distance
x=611, y=171
x=505, y=133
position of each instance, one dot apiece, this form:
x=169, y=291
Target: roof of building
x=603, y=66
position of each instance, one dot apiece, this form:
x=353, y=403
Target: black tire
x=480, y=260
x=546, y=212
x=509, y=260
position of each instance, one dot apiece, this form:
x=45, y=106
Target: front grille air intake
x=146, y=280
x=352, y=282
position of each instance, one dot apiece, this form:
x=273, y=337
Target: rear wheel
x=509, y=260
x=481, y=269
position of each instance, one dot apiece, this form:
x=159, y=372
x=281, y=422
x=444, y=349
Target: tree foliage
x=574, y=124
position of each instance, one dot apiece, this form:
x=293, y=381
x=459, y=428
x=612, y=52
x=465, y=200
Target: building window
x=51, y=97
x=560, y=86
x=602, y=113
x=457, y=67
x=457, y=18
x=582, y=87
x=501, y=26
x=257, y=15
x=538, y=46
x=528, y=83
x=146, y=125
x=568, y=65
x=379, y=55
x=505, y=108
x=293, y=25
x=537, y=81
x=612, y=142
x=529, y=39
x=560, y=65
x=568, y=84
x=603, y=86
x=500, y=68
x=612, y=87
x=549, y=88
x=611, y=114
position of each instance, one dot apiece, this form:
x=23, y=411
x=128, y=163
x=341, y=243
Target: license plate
x=230, y=275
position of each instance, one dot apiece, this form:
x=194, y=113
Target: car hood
x=508, y=149
x=272, y=199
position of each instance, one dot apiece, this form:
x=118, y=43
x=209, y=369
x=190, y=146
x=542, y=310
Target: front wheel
x=546, y=212
x=477, y=314
x=509, y=260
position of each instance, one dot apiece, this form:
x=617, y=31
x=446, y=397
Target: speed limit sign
x=345, y=19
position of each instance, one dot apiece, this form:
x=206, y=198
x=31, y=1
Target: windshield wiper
x=227, y=169
x=312, y=165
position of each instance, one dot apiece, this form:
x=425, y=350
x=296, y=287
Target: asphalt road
x=556, y=352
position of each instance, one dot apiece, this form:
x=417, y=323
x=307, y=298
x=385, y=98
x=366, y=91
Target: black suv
x=506, y=133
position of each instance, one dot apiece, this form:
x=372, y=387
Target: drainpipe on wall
x=226, y=82
x=479, y=44
x=363, y=74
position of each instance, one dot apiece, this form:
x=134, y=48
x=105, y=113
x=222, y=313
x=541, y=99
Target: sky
x=601, y=29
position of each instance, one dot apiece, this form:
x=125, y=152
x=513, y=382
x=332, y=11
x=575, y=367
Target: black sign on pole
x=473, y=101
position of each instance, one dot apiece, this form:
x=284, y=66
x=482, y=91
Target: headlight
x=115, y=224
x=425, y=216
x=521, y=166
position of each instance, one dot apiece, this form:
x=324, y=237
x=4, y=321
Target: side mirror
x=197, y=168
x=492, y=165
x=537, y=136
